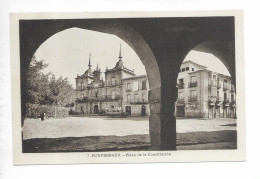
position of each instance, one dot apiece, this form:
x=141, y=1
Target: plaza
x=104, y=126
x=96, y=133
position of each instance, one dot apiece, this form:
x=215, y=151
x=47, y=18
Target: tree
x=38, y=89
x=61, y=90
x=45, y=89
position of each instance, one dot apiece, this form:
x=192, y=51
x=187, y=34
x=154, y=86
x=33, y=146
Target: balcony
x=82, y=100
x=139, y=102
x=226, y=102
x=212, y=100
x=112, y=97
x=192, y=98
x=193, y=84
x=218, y=101
x=180, y=85
x=233, y=103
x=225, y=86
x=112, y=83
x=180, y=100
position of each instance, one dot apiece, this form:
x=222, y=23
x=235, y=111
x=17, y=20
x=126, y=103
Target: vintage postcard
x=127, y=87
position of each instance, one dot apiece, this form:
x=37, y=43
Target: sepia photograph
x=127, y=87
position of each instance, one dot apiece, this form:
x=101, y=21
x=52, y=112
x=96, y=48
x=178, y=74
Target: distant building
x=135, y=95
x=121, y=90
x=204, y=94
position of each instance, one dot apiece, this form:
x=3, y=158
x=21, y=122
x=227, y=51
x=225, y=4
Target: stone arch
x=30, y=42
x=224, y=51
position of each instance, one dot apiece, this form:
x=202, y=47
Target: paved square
x=103, y=126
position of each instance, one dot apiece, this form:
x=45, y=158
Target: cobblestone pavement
x=103, y=126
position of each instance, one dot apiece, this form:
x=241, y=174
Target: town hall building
x=121, y=90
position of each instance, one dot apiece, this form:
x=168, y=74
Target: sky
x=67, y=54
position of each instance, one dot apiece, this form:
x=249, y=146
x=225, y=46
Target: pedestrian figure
x=42, y=116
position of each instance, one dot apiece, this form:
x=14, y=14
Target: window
x=183, y=69
x=128, y=86
x=81, y=85
x=187, y=68
x=144, y=85
x=225, y=95
x=112, y=106
x=135, y=86
x=193, y=93
x=82, y=95
x=192, y=69
x=128, y=99
x=113, y=79
x=113, y=82
x=193, y=79
x=136, y=97
x=214, y=91
x=113, y=96
x=181, y=81
x=96, y=95
x=180, y=95
x=143, y=97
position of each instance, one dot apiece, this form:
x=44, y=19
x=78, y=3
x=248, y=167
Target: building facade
x=135, y=95
x=117, y=92
x=204, y=94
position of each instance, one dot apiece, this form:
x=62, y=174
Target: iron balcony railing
x=233, y=103
x=180, y=85
x=193, y=84
x=180, y=100
x=226, y=102
x=192, y=98
x=138, y=102
x=112, y=97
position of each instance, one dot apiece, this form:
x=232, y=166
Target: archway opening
x=206, y=102
x=105, y=85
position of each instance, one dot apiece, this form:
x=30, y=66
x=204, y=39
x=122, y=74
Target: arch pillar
x=162, y=122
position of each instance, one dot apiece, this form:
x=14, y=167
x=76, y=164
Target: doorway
x=180, y=111
x=95, y=109
x=143, y=110
x=128, y=110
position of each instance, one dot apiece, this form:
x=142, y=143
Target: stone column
x=162, y=122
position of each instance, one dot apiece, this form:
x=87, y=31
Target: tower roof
x=89, y=63
x=120, y=55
